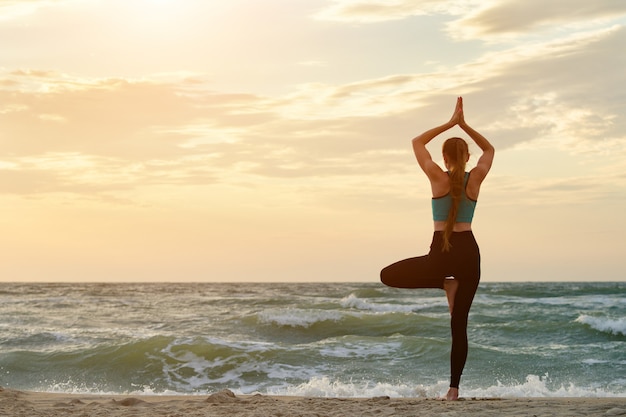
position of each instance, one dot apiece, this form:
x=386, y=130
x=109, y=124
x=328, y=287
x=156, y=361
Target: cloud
x=515, y=17
x=174, y=130
x=488, y=20
x=577, y=188
x=371, y=11
x=57, y=113
x=562, y=89
x=10, y=9
x=67, y=134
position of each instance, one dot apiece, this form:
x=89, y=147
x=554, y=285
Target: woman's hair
x=456, y=152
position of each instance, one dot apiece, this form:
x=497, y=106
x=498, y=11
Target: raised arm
x=486, y=159
x=424, y=159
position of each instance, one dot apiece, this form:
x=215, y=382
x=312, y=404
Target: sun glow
x=150, y=136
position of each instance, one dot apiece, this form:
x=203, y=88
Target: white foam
x=191, y=372
x=298, y=318
x=358, y=349
x=593, y=361
x=534, y=386
x=352, y=301
x=325, y=387
x=603, y=324
x=581, y=301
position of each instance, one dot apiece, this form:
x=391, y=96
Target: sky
x=249, y=140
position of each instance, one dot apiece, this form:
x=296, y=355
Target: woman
x=453, y=262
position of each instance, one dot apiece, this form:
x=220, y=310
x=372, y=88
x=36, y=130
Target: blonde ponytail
x=456, y=152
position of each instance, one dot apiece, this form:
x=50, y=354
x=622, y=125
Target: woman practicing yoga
x=453, y=262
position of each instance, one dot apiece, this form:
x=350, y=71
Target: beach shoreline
x=225, y=403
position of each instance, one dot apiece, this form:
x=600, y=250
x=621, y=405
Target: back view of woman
x=453, y=262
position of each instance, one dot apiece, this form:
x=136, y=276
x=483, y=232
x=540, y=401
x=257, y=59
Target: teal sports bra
x=441, y=206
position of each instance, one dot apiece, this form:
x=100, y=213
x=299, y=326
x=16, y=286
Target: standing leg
x=467, y=274
x=458, y=323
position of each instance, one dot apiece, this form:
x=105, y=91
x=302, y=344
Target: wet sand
x=225, y=403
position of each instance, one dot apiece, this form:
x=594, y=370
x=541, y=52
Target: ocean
x=313, y=339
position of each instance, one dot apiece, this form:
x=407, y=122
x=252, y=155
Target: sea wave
x=162, y=364
x=533, y=386
x=603, y=324
x=352, y=301
x=324, y=386
x=353, y=340
x=355, y=302
x=540, y=386
x=580, y=301
x=305, y=325
x=298, y=317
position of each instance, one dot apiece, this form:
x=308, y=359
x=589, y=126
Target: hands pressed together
x=458, y=118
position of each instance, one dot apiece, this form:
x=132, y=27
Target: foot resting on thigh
x=450, y=286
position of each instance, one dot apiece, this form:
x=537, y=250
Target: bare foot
x=453, y=394
x=450, y=286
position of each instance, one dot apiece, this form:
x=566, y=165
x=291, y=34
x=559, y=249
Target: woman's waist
x=458, y=227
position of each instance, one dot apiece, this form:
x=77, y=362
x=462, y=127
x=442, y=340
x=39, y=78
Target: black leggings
x=463, y=263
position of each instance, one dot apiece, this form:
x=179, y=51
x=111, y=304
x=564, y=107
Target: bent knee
x=384, y=276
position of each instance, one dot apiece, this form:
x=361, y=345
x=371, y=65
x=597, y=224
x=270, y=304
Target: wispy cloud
x=371, y=11
x=11, y=9
x=493, y=20
x=141, y=132
x=515, y=17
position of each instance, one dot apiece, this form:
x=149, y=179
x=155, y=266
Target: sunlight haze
x=248, y=140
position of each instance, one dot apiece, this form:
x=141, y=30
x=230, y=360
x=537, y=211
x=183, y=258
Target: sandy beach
x=225, y=403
